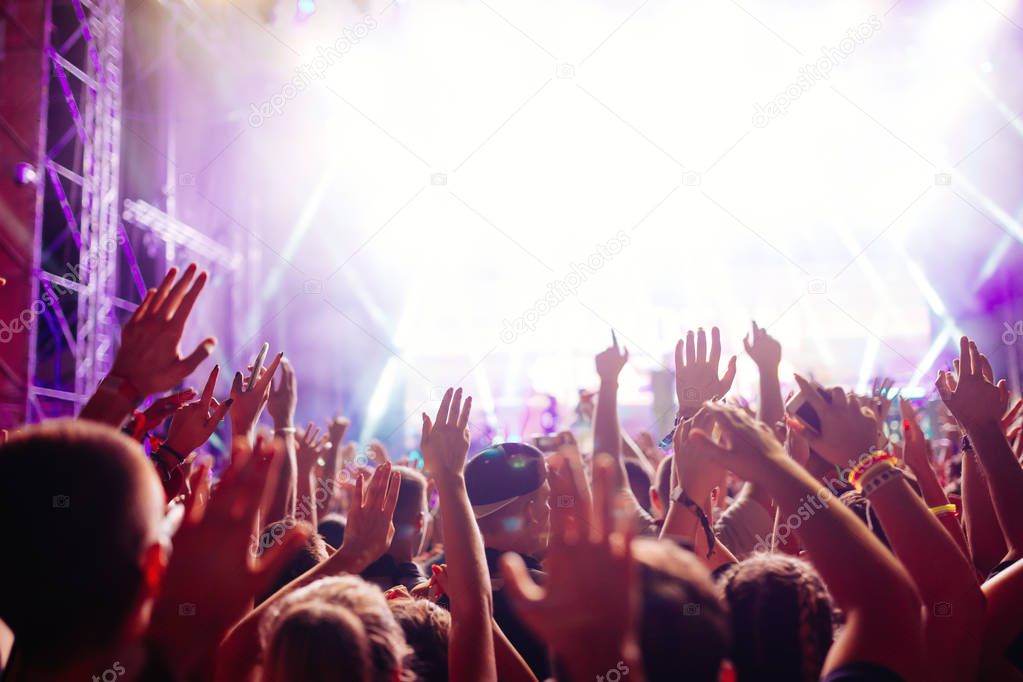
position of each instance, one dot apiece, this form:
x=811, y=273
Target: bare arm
x=445, y=445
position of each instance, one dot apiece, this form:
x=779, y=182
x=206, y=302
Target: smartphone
x=799, y=407
x=548, y=443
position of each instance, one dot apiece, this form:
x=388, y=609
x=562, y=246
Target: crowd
x=787, y=543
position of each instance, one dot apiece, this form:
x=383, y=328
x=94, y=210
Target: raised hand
x=445, y=441
x=251, y=395
x=763, y=348
x=283, y=397
x=370, y=527
x=582, y=630
x=696, y=372
x=194, y=423
x=916, y=448
x=336, y=429
x=750, y=446
x=611, y=360
x=149, y=358
x=310, y=447
x=847, y=429
x=971, y=394
x=213, y=574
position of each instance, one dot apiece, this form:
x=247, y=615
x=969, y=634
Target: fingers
x=701, y=346
x=391, y=498
x=236, y=383
x=196, y=357
x=463, y=418
x=442, y=411
x=941, y=383
x=690, y=349
x=160, y=295
x=143, y=307
x=965, y=358
x=728, y=378
x=614, y=341
x=179, y=314
x=263, y=384
x=525, y=594
x=211, y=385
x=199, y=484
x=173, y=299
x=456, y=407
x=680, y=348
x=220, y=412
x=427, y=428
x=715, y=350
x=357, y=493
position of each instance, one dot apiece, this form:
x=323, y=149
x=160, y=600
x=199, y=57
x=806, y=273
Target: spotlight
x=25, y=174
x=305, y=8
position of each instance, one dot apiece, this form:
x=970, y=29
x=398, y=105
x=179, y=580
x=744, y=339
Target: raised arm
x=872, y=588
x=765, y=351
x=978, y=404
x=445, y=445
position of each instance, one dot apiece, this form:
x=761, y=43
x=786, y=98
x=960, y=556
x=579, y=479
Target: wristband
x=943, y=509
x=174, y=453
x=877, y=477
x=286, y=429
x=680, y=496
x=856, y=475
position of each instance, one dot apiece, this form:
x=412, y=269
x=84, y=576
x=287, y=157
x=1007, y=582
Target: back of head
x=83, y=504
x=683, y=625
x=387, y=647
x=781, y=618
x=411, y=508
x=426, y=626
x=507, y=486
x=314, y=642
x=332, y=529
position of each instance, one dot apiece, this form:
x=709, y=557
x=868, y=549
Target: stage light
x=305, y=8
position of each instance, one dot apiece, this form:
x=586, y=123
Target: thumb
x=201, y=352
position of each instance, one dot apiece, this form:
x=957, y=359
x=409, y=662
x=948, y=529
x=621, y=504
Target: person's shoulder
x=861, y=672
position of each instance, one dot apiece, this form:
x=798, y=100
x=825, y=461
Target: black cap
x=502, y=474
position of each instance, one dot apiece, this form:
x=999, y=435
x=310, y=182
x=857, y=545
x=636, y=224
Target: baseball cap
x=501, y=474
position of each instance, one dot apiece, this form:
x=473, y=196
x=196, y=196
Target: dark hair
x=426, y=627
x=83, y=504
x=332, y=529
x=683, y=625
x=781, y=618
x=639, y=481
x=314, y=552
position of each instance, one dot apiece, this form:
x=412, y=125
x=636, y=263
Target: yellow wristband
x=943, y=509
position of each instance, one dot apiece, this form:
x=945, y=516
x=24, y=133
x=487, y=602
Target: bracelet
x=877, y=457
x=286, y=429
x=943, y=509
x=177, y=455
x=872, y=483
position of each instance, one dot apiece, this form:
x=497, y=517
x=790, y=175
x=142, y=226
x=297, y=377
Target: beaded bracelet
x=885, y=473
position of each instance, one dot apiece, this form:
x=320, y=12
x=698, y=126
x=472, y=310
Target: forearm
x=1005, y=481
x=110, y=404
x=987, y=546
x=511, y=667
x=471, y=646
x=772, y=405
x=944, y=577
x=934, y=496
x=682, y=523
x=281, y=501
x=832, y=534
